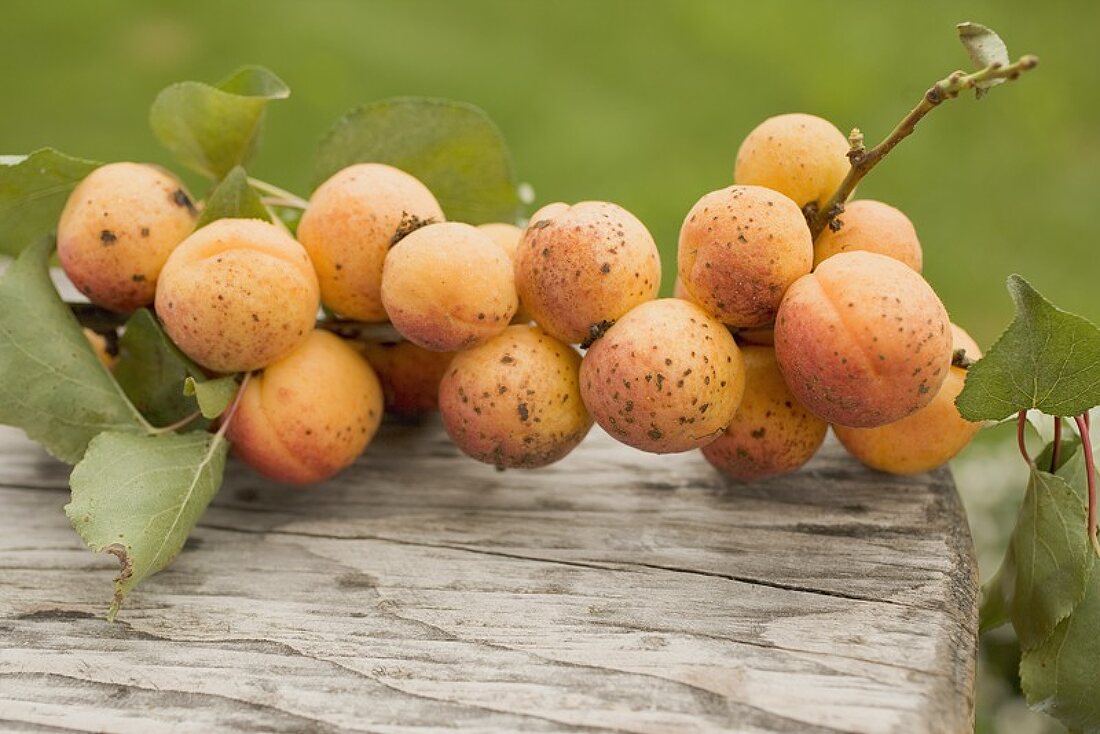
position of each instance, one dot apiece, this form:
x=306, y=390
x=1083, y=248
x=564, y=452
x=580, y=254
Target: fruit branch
x=864, y=159
x=275, y=196
x=1090, y=469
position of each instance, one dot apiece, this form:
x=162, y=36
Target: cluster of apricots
x=772, y=337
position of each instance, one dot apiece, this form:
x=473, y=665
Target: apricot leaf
x=233, y=198
x=452, y=147
x=1047, y=359
x=214, y=396
x=54, y=386
x=985, y=48
x=211, y=129
x=33, y=191
x=139, y=496
x=152, y=370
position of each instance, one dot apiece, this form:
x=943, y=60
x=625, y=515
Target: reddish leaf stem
x=1090, y=467
x=1021, y=423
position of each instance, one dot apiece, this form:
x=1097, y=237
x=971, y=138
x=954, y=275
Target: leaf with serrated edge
x=985, y=48
x=33, y=191
x=214, y=396
x=139, y=497
x=151, y=369
x=1059, y=677
x=233, y=198
x=1047, y=359
x=211, y=129
x=53, y=387
x=452, y=147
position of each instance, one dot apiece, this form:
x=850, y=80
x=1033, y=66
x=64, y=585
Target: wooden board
x=615, y=591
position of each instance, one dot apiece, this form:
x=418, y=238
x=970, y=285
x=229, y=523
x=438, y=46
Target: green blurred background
x=642, y=103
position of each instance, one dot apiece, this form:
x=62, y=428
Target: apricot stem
x=286, y=198
x=1021, y=423
x=864, y=159
x=1090, y=467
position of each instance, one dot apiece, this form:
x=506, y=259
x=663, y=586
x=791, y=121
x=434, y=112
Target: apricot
x=801, y=156
x=740, y=248
x=117, y=229
x=508, y=237
x=665, y=378
x=448, y=287
x=409, y=375
x=237, y=295
x=771, y=433
x=875, y=227
x=863, y=340
x=352, y=220
x=582, y=265
x=309, y=414
x=924, y=440
x=514, y=401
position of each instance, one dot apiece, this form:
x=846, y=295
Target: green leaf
x=138, y=498
x=985, y=48
x=997, y=595
x=214, y=396
x=1059, y=677
x=152, y=370
x=33, y=191
x=452, y=147
x=53, y=387
x=211, y=129
x=1047, y=359
x=233, y=198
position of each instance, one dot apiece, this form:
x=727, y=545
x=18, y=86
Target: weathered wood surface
x=420, y=591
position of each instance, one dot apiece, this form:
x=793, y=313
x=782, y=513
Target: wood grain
x=419, y=591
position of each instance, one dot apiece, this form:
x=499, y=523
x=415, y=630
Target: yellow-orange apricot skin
x=514, y=401
x=801, y=156
x=580, y=265
x=448, y=287
x=771, y=433
x=409, y=374
x=665, y=378
x=237, y=295
x=740, y=248
x=924, y=440
x=118, y=227
x=508, y=237
x=349, y=226
x=762, y=336
x=863, y=340
x=875, y=227
x=308, y=415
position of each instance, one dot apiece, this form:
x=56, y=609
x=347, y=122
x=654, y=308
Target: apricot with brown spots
x=874, y=227
x=508, y=236
x=771, y=433
x=863, y=341
x=237, y=295
x=804, y=157
x=409, y=374
x=118, y=228
x=352, y=220
x=924, y=440
x=308, y=415
x=448, y=287
x=514, y=401
x=578, y=266
x=740, y=248
x=665, y=378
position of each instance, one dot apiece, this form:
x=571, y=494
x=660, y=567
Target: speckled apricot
x=508, y=236
x=863, y=340
x=580, y=265
x=514, y=401
x=349, y=226
x=118, y=228
x=409, y=375
x=740, y=248
x=875, y=227
x=448, y=287
x=308, y=415
x=924, y=440
x=665, y=378
x=771, y=433
x=237, y=295
x=801, y=156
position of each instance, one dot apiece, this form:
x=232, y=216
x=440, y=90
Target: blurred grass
x=642, y=103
